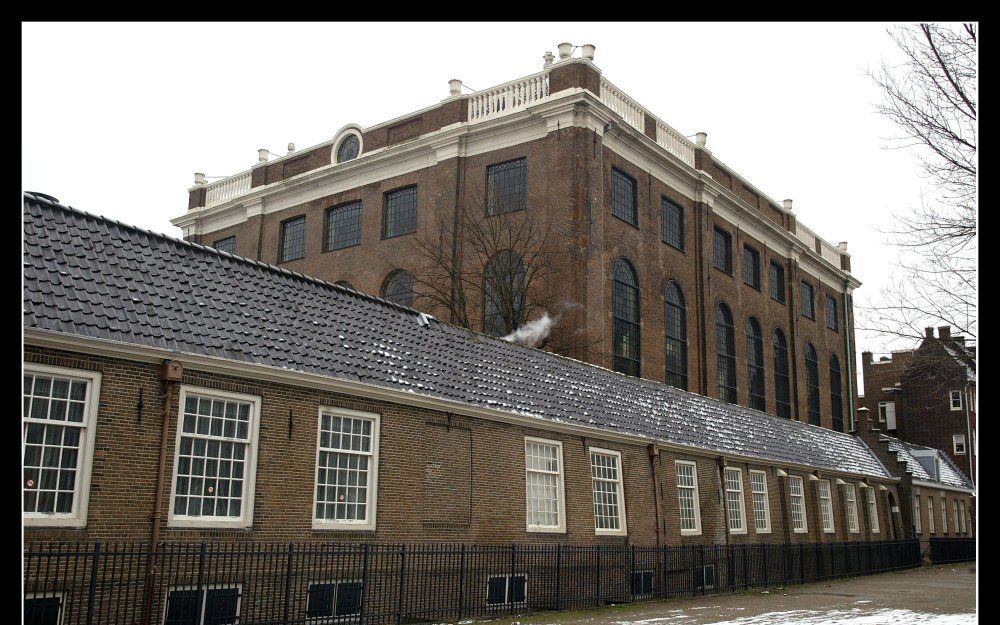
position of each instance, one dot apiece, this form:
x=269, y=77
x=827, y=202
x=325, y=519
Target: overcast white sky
x=118, y=117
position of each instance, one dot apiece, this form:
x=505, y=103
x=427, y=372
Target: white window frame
x=930, y=515
x=871, y=501
x=204, y=598
x=249, y=475
x=792, y=479
x=77, y=517
x=697, y=504
x=506, y=594
x=956, y=440
x=884, y=409
x=962, y=519
x=954, y=513
x=915, y=502
x=851, y=502
x=623, y=529
x=347, y=618
x=45, y=595
x=767, y=502
x=371, y=507
x=828, y=512
x=559, y=528
x=742, y=529
x=952, y=396
x=944, y=514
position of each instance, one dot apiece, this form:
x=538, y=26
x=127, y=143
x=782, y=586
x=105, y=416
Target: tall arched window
x=725, y=348
x=812, y=383
x=398, y=287
x=504, y=303
x=675, y=330
x=755, y=364
x=782, y=387
x=625, y=318
x=835, y=399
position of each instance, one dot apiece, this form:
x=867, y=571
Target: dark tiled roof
x=95, y=277
x=951, y=475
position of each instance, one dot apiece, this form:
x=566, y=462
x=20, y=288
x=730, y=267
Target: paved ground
x=939, y=595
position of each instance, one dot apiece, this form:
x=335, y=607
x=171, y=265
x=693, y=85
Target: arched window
x=725, y=348
x=812, y=383
x=348, y=149
x=755, y=364
x=398, y=288
x=782, y=387
x=504, y=304
x=835, y=399
x=625, y=318
x=675, y=330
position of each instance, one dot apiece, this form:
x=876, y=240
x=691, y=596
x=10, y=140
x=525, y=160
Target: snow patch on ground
x=855, y=616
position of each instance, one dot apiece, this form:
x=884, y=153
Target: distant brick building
x=673, y=266
x=927, y=396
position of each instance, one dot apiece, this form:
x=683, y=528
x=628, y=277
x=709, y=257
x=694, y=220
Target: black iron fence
x=257, y=584
x=945, y=550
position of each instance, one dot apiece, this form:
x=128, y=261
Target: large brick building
x=662, y=261
x=175, y=392
x=927, y=395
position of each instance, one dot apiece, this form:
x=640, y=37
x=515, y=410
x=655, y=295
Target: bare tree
x=932, y=97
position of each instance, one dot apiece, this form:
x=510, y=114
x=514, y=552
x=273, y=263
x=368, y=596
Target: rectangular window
x=916, y=514
x=956, y=400
x=704, y=577
x=609, y=500
x=332, y=599
x=930, y=514
x=798, y=497
x=400, y=212
x=850, y=497
x=954, y=511
x=734, y=501
x=826, y=505
x=687, y=497
x=215, y=459
x=751, y=267
x=887, y=411
x=343, y=226
x=672, y=223
x=958, y=443
x=777, y=282
x=944, y=515
x=346, y=469
x=642, y=583
x=831, y=314
x=872, y=509
x=761, y=505
x=57, y=445
x=219, y=606
x=544, y=485
x=962, y=516
x=722, y=250
x=293, y=239
x=808, y=301
x=624, y=202
x=227, y=245
x=505, y=590
x=43, y=608
x=505, y=186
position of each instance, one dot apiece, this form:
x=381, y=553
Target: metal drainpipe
x=850, y=361
x=968, y=435
x=721, y=463
x=654, y=456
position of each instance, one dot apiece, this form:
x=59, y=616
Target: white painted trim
x=805, y=511
x=955, y=440
x=372, y=486
x=342, y=134
x=621, y=491
x=829, y=498
x=214, y=364
x=85, y=459
x=871, y=504
x=767, y=502
x=848, y=501
x=249, y=475
x=697, y=497
x=952, y=395
x=936, y=485
x=743, y=505
x=560, y=485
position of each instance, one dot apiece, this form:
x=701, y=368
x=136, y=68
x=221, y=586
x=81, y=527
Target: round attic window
x=348, y=149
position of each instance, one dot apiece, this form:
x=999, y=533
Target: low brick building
x=173, y=392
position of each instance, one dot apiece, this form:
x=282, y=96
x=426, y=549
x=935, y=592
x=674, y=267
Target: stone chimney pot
x=565, y=50
x=262, y=155
x=199, y=178
x=588, y=51
x=944, y=332
x=788, y=205
x=700, y=139
x=454, y=86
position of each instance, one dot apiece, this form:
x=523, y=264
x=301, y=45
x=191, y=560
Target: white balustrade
x=629, y=110
x=508, y=97
x=227, y=188
x=674, y=142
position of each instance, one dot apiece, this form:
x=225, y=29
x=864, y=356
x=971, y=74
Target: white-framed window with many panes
x=958, y=444
x=761, y=504
x=826, y=505
x=963, y=517
x=609, y=497
x=346, y=488
x=687, y=497
x=544, y=488
x=851, y=499
x=955, y=400
x=930, y=514
x=59, y=422
x=954, y=510
x=798, y=504
x=872, y=509
x=944, y=514
x=735, y=506
x=916, y=514
x=215, y=459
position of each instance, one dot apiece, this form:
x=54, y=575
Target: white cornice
x=212, y=364
x=935, y=485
